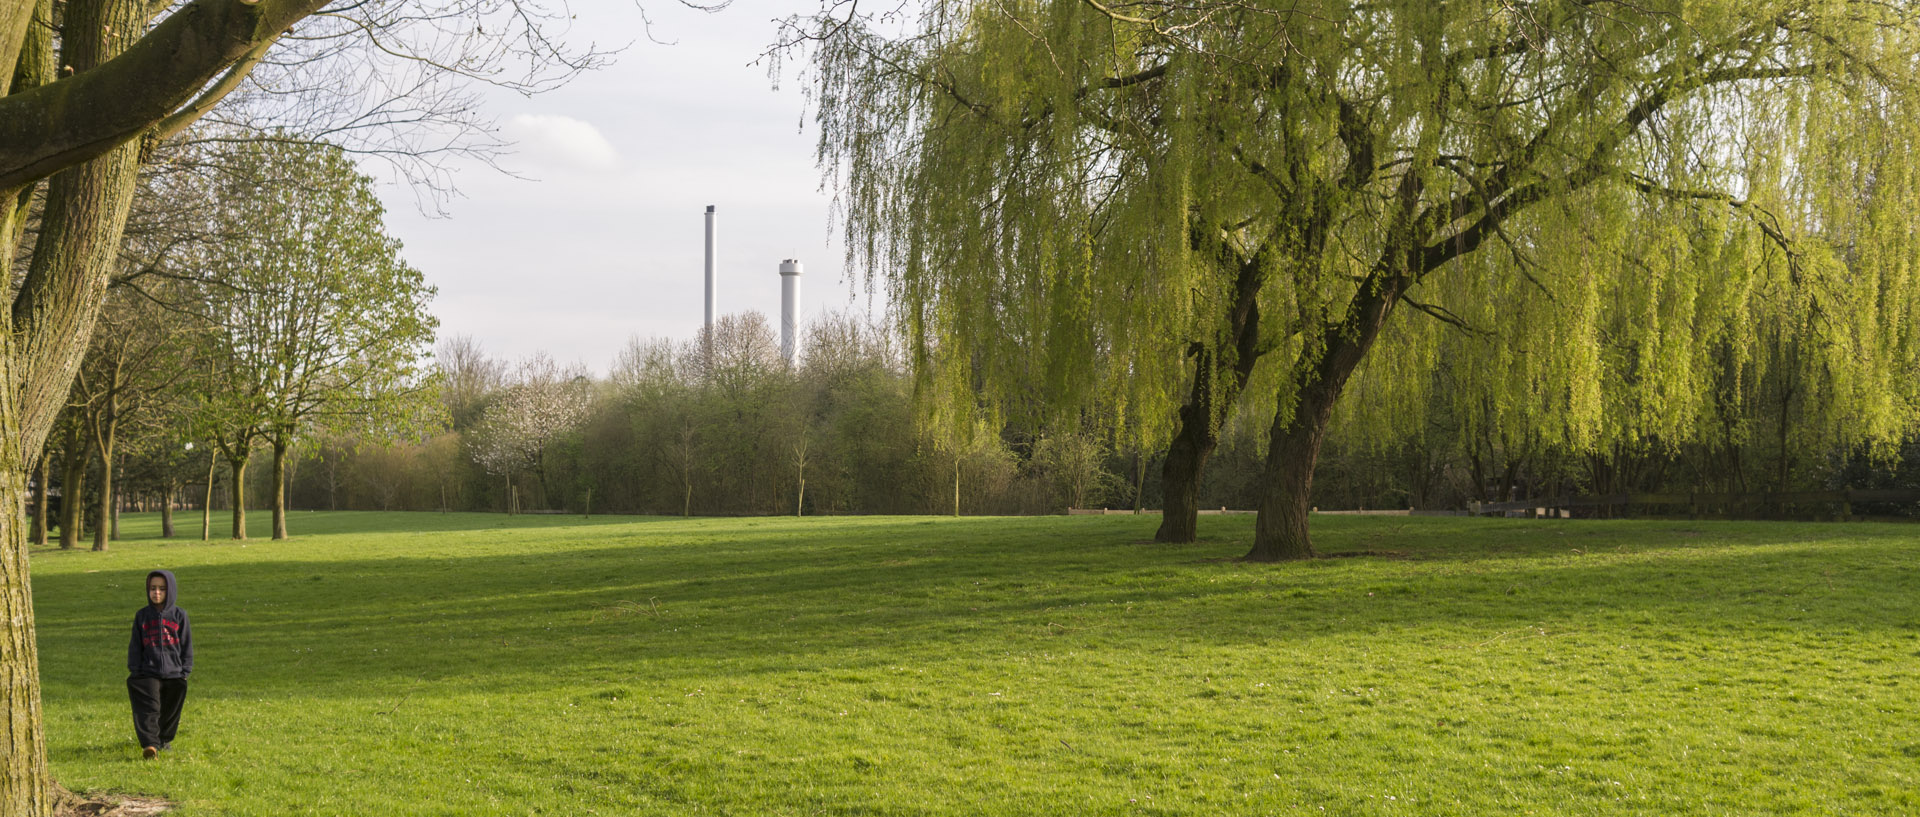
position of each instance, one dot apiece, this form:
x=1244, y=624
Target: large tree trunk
x=1286, y=485
x=67, y=281
x=280, y=488
x=25, y=788
x=87, y=133
x=1218, y=379
x=1186, y=460
x=238, y=490
x=1286, y=489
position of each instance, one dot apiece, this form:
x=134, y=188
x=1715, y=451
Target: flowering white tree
x=513, y=433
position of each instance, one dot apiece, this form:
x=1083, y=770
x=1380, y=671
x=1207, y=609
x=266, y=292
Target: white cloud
x=561, y=140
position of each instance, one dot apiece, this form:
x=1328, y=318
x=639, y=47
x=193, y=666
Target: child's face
x=156, y=590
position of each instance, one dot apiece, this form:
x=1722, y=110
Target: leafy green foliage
x=321, y=322
x=1600, y=217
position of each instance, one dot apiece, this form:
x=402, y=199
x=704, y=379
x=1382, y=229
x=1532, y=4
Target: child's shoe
x=149, y=752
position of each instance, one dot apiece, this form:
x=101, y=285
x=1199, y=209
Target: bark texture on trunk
x=14, y=18
x=62, y=124
x=67, y=280
x=25, y=789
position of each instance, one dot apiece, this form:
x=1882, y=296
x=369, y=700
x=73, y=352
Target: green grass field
x=392, y=664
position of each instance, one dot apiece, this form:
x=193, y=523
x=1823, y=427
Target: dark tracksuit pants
x=157, y=703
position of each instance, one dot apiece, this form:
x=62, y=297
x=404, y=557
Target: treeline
x=717, y=425
x=256, y=304
x=723, y=425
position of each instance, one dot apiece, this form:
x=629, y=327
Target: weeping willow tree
x=1688, y=301
x=1600, y=209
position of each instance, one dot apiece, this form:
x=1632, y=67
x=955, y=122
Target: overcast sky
x=605, y=242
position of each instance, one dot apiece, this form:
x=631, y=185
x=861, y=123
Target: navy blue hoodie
x=162, y=645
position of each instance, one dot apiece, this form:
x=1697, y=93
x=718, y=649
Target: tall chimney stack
x=790, y=310
x=709, y=323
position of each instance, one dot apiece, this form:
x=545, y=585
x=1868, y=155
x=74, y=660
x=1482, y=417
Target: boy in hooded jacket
x=159, y=659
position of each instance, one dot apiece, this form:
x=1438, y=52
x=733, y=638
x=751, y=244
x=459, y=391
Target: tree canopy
x=1598, y=213
x=317, y=320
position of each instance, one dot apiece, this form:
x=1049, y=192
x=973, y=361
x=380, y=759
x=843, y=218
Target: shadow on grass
x=792, y=597
x=300, y=523
x=98, y=751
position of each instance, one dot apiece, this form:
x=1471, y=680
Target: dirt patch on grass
x=110, y=805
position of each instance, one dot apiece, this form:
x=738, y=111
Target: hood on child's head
x=173, y=587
